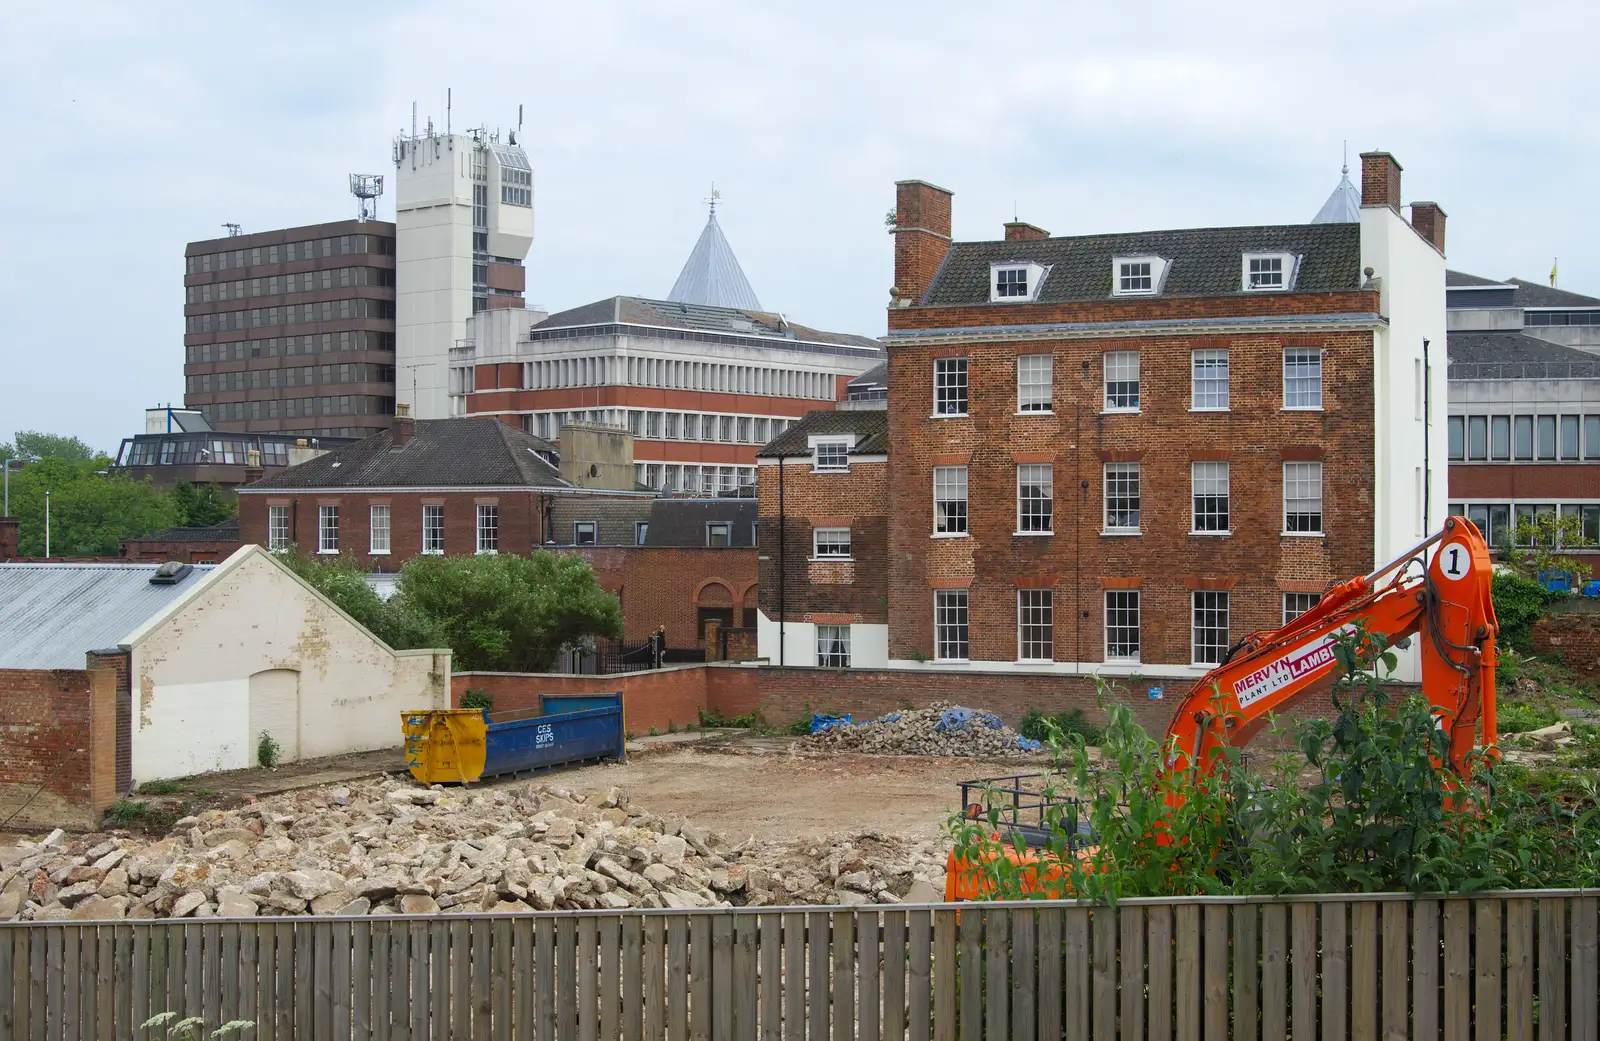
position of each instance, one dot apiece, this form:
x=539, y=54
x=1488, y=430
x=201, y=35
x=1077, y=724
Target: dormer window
x=831, y=453
x=1268, y=272
x=1137, y=276
x=1015, y=283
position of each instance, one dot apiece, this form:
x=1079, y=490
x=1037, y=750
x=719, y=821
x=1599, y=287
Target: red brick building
x=422, y=486
x=211, y=544
x=1123, y=453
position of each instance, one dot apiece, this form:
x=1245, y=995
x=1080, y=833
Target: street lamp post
x=47, y=525
x=7, y=467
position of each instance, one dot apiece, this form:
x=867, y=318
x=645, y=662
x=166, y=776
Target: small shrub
x=267, y=750
x=141, y=816
x=655, y=731
x=1518, y=717
x=1038, y=726
x=716, y=720
x=1518, y=603
x=476, y=697
x=191, y=1029
x=161, y=787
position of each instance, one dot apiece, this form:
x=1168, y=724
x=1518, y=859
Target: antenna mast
x=366, y=188
x=234, y=230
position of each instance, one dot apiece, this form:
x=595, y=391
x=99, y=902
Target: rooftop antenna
x=1344, y=168
x=234, y=230
x=712, y=200
x=447, y=101
x=366, y=188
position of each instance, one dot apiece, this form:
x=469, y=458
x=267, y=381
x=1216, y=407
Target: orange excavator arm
x=1444, y=603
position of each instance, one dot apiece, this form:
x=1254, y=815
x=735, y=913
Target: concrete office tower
x=463, y=224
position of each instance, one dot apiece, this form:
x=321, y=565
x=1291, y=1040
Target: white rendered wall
x=191, y=673
x=1412, y=299
x=433, y=267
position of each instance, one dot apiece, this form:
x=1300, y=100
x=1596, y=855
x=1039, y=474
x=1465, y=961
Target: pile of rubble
x=939, y=730
x=390, y=847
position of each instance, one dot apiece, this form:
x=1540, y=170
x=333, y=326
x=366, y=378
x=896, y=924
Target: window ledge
x=1122, y=532
x=949, y=415
x=1206, y=665
x=1035, y=661
x=1120, y=411
x=952, y=661
x=830, y=469
x=830, y=560
x=1034, y=412
x=1303, y=534
x=1301, y=408
x=1122, y=661
x=950, y=535
x=1210, y=409
x=432, y=553
x=488, y=553
x=377, y=553
x=1211, y=534
x=1032, y=534
x=327, y=553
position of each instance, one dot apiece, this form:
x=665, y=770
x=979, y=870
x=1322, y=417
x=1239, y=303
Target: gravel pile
x=390, y=846
x=939, y=730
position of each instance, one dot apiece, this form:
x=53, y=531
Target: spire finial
x=1345, y=169
x=712, y=200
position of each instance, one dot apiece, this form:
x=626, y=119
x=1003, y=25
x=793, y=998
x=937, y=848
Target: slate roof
x=615, y=518
x=222, y=531
x=682, y=522
x=1532, y=294
x=712, y=274
x=442, y=453
x=634, y=310
x=1205, y=262
x=875, y=378
x=871, y=428
x=52, y=613
x=1461, y=280
x=1480, y=347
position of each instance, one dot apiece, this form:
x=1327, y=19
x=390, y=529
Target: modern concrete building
x=180, y=445
x=292, y=331
x=463, y=225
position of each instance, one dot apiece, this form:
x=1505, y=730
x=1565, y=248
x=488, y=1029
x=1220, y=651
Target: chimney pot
x=404, y=426
x=1427, y=218
x=1022, y=231
x=921, y=235
x=1380, y=180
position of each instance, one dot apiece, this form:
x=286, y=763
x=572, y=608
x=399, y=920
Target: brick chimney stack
x=1380, y=180
x=1428, y=220
x=1022, y=231
x=10, y=539
x=404, y=425
x=921, y=237
x=252, y=466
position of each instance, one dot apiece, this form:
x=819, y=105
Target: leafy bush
x=1383, y=812
x=476, y=698
x=343, y=581
x=712, y=719
x=267, y=750
x=1038, y=726
x=1519, y=717
x=1518, y=603
x=134, y=815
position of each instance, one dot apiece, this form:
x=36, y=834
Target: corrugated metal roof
x=712, y=274
x=51, y=614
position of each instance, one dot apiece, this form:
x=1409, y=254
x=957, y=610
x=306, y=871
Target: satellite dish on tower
x=366, y=188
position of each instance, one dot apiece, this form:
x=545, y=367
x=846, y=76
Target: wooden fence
x=1514, y=965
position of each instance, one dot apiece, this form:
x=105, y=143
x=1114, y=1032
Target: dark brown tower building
x=292, y=330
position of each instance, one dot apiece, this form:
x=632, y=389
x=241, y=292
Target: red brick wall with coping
x=57, y=746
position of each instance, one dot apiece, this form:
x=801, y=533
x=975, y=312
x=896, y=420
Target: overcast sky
x=133, y=128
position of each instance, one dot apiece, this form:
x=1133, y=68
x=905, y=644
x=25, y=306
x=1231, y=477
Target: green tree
x=31, y=444
x=345, y=583
x=200, y=506
x=509, y=612
x=91, y=511
x=1545, y=543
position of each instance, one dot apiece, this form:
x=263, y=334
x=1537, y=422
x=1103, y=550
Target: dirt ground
x=781, y=796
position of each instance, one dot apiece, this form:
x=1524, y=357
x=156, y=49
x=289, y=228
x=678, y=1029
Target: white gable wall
x=192, y=667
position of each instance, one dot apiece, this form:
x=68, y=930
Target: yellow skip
x=445, y=745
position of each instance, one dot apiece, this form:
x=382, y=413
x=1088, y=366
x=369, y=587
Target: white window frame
x=827, y=656
x=1210, y=356
x=1295, y=396
x=1035, y=395
x=1115, y=364
x=1296, y=477
x=946, y=603
x=375, y=546
x=1033, y=277
x=594, y=532
x=486, y=530
x=1287, y=616
x=1045, y=480
x=1047, y=607
x=1287, y=264
x=328, y=530
x=954, y=476
x=951, y=374
x=1196, y=597
x=278, y=528
x=1158, y=275
x=833, y=537
x=1204, y=471
x=1121, y=471
x=1121, y=613
x=432, y=511
x=841, y=444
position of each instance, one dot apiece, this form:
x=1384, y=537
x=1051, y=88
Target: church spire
x=712, y=274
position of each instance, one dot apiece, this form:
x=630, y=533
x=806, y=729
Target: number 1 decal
x=1454, y=561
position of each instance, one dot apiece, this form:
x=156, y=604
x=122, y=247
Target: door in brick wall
x=275, y=710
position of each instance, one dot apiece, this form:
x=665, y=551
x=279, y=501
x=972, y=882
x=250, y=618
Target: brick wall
x=116, y=662
x=656, y=700
x=1256, y=563
x=666, y=585
x=1573, y=635
x=857, y=500
x=189, y=552
x=57, y=746
x=1129, y=310
x=519, y=522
